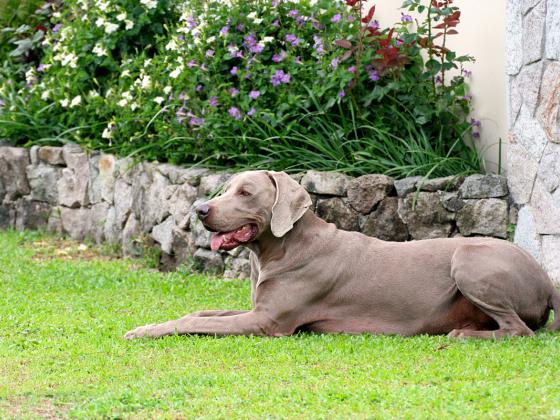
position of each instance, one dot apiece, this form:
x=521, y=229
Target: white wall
x=482, y=35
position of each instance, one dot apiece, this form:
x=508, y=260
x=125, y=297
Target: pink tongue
x=218, y=239
x=230, y=239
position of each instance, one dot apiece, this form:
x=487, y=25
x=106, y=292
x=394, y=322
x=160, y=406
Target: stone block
x=533, y=33
x=13, y=176
x=337, y=211
x=425, y=216
x=366, y=191
x=484, y=186
x=551, y=257
x=488, y=217
x=385, y=223
x=326, y=183
x=43, y=183
x=51, y=155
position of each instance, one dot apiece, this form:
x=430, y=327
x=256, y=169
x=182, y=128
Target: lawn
x=64, y=309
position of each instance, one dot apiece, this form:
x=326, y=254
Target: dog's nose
x=203, y=211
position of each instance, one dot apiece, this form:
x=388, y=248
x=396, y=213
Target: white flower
x=68, y=59
x=30, y=76
x=146, y=82
x=122, y=103
x=64, y=102
x=99, y=51
x=257, y=21
x=45, y=95
x=93, y=94
x=171, y=45
x=103, y=6
x=175, y=73
x=147, y=62
x=127, y=95
x=128, y=24
x=108, y=132
x=159, y=100
x=100, y=22
x=109, y=92
x=252, y=15
x=210, y=39
x=267, y=39
x=121, y=16
x=125, y=73
x=76, y=101
x=150, y=4
x=133, y=106
x=167, y=90
x=111, y=27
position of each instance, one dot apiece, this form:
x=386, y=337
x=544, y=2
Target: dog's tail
x=554, y=303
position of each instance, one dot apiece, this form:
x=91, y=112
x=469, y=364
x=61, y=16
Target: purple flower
x=341, y=94
x=209, y=53
x=438, y=78
x=191, y=22
x=467, y=98
x=336, y=18
x=405, y=18
x=240, y=27
x=180, y=115
x=373, y=75
x=351, y=18
x=181, y=96
x=334, y=63
x=254, y=94
x=318, y=44
x=274, y=3
x=56, y=28
x=195, y=121
x=352, y=69
x=234, y=70
x=224, y=31
x=213, y=102
x=256, y=49
x=198, y=88
x=280, y=77
x=233, y=91
x=191, y=64
x=235, y=113
x=41, y=67
x=292, y=39
x=251, y=42
x=476, y=135
x=467, y=73
x=373, y=24
x=297, y=60
x=279, y=57
x=234, y=51
x=293, y=13
x=276, y=23
x=475, y=123
x=251, y=112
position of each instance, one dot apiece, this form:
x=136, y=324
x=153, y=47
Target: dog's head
x=253, y=203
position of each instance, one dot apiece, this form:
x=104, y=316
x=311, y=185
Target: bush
x=277, y=84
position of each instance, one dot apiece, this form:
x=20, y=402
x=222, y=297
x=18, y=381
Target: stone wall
x=105, y=199
x=533, y=66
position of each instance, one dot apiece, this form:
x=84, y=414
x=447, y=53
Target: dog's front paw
x=146, y=331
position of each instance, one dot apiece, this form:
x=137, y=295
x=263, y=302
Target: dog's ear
x=291, y=202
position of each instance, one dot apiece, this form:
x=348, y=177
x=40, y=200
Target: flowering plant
x=233, y=81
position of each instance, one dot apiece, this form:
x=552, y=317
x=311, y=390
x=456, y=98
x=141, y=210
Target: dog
x=307, y=275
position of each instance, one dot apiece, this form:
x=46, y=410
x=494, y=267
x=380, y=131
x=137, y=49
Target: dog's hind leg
x=505, y=285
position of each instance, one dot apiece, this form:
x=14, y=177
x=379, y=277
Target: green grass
x=61, y=354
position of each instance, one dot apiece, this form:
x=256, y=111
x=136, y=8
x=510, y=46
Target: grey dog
x=307, y=275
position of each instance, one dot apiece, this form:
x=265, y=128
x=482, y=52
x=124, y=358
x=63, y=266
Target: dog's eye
x=244, y=193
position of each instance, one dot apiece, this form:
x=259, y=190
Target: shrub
x=261, y=83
